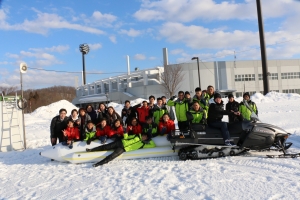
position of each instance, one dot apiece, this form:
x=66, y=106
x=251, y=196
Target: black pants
x=183, y=126
x=118, y=150
x=54, y=140
x=223, y=127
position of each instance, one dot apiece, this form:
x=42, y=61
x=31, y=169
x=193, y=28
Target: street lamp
x=197, y=58
x=84, y=49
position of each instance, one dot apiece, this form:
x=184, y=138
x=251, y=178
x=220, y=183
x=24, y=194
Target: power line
x=49, y=70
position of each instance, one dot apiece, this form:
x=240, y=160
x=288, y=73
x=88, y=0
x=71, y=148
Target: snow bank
x=50, y=111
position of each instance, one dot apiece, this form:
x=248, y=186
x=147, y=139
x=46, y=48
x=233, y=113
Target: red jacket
x=116, y=131
x=142, y=113
x=169, y=125
x=134, y=129
x=102, y=132
x=72, y=133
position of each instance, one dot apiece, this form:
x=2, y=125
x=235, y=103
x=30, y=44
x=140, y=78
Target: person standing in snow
x=244, y=110
x=151, y=102
x=181, y=106
x=58, y=124
x=92, y=113
x=102, y=112
x=84, y=118
x=210, y=92
x=127, y=113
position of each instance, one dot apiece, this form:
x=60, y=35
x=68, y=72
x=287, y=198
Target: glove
x=203, y=121
x=103, y=139
x=88, y=142
x=163, y=130
x=172, y=98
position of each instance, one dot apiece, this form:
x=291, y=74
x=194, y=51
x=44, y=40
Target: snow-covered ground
x=27, y=175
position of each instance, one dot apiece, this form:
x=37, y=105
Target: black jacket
x=235, y=107
x=216, y=112
x=128, y=113
x=101, y=115
x=57, y=126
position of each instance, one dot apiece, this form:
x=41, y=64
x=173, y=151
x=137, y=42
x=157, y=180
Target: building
x=238, y=76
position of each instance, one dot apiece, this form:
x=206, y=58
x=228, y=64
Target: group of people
x=138, y=124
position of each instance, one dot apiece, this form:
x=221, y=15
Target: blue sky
x=47, y=34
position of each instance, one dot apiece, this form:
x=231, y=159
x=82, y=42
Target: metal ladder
x=11, y=122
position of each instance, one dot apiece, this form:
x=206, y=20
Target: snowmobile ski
x=288, y=155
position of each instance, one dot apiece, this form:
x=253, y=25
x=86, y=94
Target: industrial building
x=227, y=76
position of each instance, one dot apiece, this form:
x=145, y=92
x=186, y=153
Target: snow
x=27, y=175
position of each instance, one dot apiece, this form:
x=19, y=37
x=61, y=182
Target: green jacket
x=158, y=112
x=207, y=97
x=245, y=112
x=202, y=102
x=181, y=107
x=152, y=126
x=199, y=116
x=134, y=142
x=90, y=135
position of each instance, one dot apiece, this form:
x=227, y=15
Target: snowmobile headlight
x=286, y=136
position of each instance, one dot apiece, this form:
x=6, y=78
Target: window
x=291, y=91
x=98, y=89
x=239, y=94
x=273, y=76
x=290, y=75
x=245, y=77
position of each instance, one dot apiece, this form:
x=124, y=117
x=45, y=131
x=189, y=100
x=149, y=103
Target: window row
x=272, y=76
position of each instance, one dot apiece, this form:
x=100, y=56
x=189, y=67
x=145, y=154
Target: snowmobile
x=202, y=141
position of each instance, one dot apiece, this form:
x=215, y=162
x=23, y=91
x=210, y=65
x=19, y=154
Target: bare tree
x=8, y=90
x=171, y=79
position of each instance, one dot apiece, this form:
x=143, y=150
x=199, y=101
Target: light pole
x=84, y=49
x=262, y=48
x=197, y=58
x=23, y=70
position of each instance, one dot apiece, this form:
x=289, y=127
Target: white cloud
x=176, y=51
x=95, y=46
x=45, y=22
x=113, y=39
x=152, y=58
x=38, y=57
x=4, y=63
x=97, y=15
x=189, y=10
x=36, y=79
x=59, y=49
x=131, y=32
x=139, y=57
